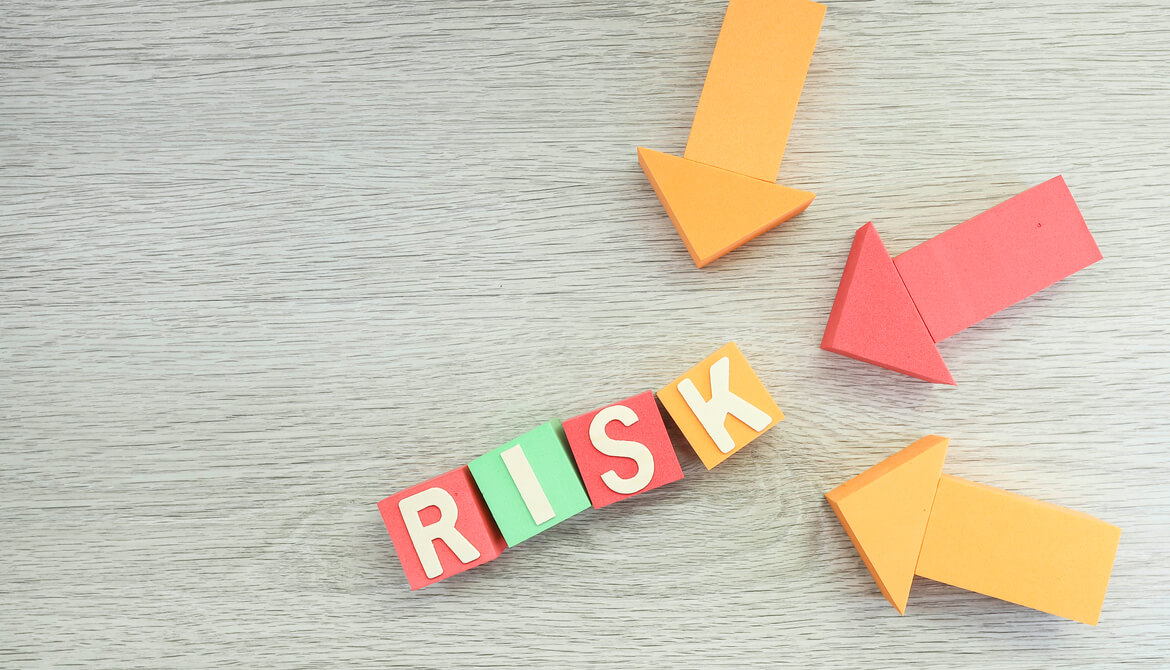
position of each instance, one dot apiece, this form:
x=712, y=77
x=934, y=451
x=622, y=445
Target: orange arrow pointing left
x=722, y=193
x=906, y=518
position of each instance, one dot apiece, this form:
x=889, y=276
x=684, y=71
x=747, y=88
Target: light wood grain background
x=265, y=263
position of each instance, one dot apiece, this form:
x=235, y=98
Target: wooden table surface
x=265, y=263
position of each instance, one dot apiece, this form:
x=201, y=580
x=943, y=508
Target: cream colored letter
x=424, y=537
x=526, y=482
x=635, y=451
x=712, y=413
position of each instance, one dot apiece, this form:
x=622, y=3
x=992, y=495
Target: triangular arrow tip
x=716, y=210
x=874, y=319
x=885, y=510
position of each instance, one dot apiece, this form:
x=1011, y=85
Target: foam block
x=997, y=258
x=715, y=210
x=440, y=528
x=1018, y=549
x=530, y=484
x=885, y=511
x=720, y=405
x=622, y=449
x=874, y=319
x=753, y=84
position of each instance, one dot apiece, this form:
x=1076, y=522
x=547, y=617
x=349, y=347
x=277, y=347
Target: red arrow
x=891, y=312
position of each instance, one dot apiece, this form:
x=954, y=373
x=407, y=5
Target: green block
x=547, y=452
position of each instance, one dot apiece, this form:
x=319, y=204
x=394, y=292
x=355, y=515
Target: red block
x=622, y=449
x=998, y=258
x=451, y=522
x=874, y=319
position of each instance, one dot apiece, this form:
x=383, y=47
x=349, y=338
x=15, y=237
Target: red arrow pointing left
x=891, y=312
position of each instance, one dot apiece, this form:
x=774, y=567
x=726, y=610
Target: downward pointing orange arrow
x=722, y=193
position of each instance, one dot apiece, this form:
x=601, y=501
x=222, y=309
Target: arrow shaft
x=1018, y=549
x=753, y=84
x=998, y=258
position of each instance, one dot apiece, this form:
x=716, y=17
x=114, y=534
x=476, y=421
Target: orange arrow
x=906, y=518
x=722, y=193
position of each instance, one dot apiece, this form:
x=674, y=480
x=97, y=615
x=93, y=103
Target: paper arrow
x=892, y=312
x=906, y=518
x=722, y=193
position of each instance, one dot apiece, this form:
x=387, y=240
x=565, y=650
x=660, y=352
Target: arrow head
x=716, y=210
x=874, y=318
x=885, y=510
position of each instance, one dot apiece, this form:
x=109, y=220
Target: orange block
x=720, y=405
x=714, y=210
x=753, y=84
x=885, y=511
x=1018, y=549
